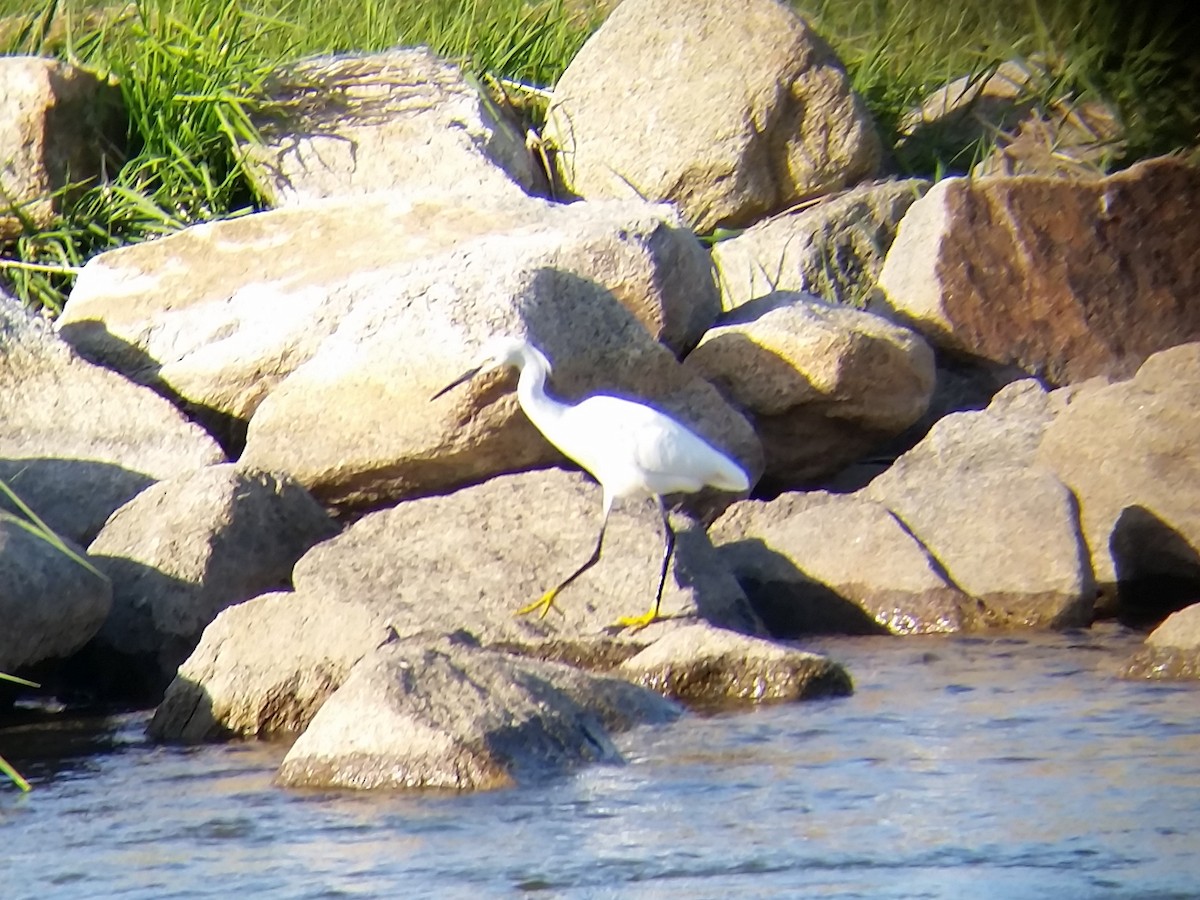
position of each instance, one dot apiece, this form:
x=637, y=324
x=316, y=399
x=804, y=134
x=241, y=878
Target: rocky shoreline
x=995, y=428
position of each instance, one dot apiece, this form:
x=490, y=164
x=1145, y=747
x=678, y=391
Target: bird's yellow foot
x=637, y=623
x=545, y=604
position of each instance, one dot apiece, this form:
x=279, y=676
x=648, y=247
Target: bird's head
x=497, y=353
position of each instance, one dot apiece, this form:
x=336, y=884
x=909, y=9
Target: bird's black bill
x=465, y=376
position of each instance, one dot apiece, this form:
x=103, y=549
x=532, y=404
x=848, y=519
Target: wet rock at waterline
x=964, y=531
x=434, y=566
x=1004, y=530
x=825, y=563
x=63, y=125
x=704, y=666
x=186, y=548
x=1172, y=651
x=449, y=714
x=1128, y=452
x=823, y=383
x=399, y=120
x=773, y=122
x=76, y=440
x=50, y=602
x=1106, y=269
x=264, y=667
x=833, y=247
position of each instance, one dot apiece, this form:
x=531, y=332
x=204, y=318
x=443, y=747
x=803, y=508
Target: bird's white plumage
x=633, y=450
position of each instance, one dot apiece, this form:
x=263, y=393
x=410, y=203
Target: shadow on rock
x=186, y=716
x=789, y=603
x=73, y=496
x=1158, y=570
x=92, y=340
x=133, y=658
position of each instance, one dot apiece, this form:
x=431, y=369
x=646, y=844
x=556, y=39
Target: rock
x=1172, y=651
x=500, y=545
x=955, y=120
x=707, y=666
x=59, y=122
x=1005, y=531
x=187, y=548
x=824, y=383
x=833, y=248
x=219, y=314
x=398, y=120
x=645, y=109
x=818, y=562
x=435, y=566
x=51, y=604
x=1128, y=452
x=1068, y=140
x=264, y=667
x=455, y=716
x=355, y=425
x=1007, y=110
x=1105, y=268
x=76, y=440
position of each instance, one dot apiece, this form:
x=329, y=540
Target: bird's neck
x=542, y=409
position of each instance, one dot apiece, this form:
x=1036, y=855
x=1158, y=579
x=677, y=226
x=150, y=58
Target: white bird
x=633, y=450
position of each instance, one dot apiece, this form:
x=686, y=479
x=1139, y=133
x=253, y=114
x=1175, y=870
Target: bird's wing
x=630, y=446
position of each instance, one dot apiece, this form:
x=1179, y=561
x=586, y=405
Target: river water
x=980, y=767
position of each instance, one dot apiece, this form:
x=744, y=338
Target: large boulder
x=219, y=314
x=730, y=111
x=713, y=667
x=398, y=120
x=1128, y=452
x=449, y=714
x=264, y=667
x=833, y=248
x=824, y=383
x=60, y=121
x=466, y=560
x=1172, y=650
x=187, y=548
x=818, y=562
x=51, y=601
x=965, y=531
x=471, y=558
x=355, y=424
x=1005, y=530
x=1107, y=269
x=76, y=440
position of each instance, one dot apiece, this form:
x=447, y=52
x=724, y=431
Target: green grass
x=190, y=72
x=1141, y=60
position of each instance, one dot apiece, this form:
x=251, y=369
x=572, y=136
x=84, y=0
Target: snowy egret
x=633, y=450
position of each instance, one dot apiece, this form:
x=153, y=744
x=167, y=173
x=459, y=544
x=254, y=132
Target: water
x=962, y=768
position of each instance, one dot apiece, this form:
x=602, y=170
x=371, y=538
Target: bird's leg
x=646, y=618
x=547, y=599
